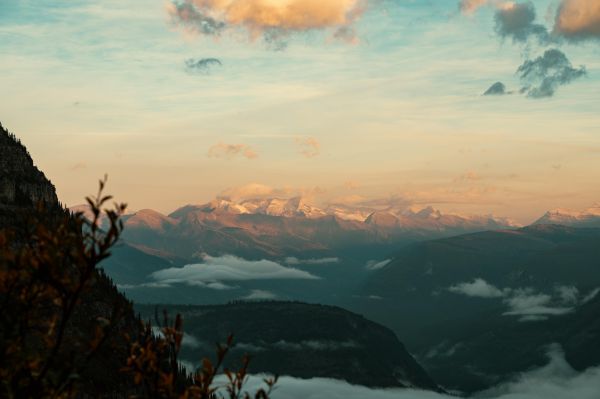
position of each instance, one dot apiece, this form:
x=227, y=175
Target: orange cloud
x=309, y=147
x=578, y=19
x=470, y=6
x=229, y=151
x=260, y=17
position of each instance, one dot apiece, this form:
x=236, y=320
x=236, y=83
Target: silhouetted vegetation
x=60, y=335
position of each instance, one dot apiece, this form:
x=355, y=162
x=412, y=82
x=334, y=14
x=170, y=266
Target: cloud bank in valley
x=271, y=20
x=215, y=270
x=555, y=380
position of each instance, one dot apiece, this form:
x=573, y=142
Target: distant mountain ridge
x=567, y=217
x=276, y=227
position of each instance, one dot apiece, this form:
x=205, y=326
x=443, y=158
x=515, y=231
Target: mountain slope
x=301, y=340
x=22, y=186
x=462, y=294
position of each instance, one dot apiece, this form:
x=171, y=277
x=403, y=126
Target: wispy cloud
x=257, y=295
x=201, y=65
x=376, y=265
x=230, y=151
x=309, y=146
x=313, y=261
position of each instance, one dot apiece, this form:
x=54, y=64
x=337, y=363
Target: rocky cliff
x=22, y=187
x=21, y=183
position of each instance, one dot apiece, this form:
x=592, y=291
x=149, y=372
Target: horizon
x=361, y=101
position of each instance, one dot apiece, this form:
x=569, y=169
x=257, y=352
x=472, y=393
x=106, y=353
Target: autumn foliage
x=58, y=330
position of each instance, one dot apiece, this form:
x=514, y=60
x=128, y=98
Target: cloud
x=478, y=288
x=376, y=265
x=190, y=17
x=532, y=306
x=578, y=19
x=309, y=147
x=542, y=76
x=497, y=89
x=256, y=295
x=319, y=261
x=470, y=6
x=515, y=20
x=591, y=295
x=321, y=345
x=215, y=270
x=568, y=294
x=523, y=302
x=557, y=379
x=201, y=65
x=271, y=20
x=230, y=151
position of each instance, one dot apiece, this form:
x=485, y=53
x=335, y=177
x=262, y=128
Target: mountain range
x=568, y=217
x=276, y=227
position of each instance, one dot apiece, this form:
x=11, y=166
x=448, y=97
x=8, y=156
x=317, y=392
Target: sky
x=341, y=100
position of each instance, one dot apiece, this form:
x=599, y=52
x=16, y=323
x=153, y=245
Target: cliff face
x=22, y=187
x=22, y=184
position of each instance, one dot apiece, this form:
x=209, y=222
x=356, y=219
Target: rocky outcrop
x=21, y=182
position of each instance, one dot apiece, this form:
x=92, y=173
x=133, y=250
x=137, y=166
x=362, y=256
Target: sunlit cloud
x=271, y=20
x=470, y=6
x=230, y=151
x=578, y=19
